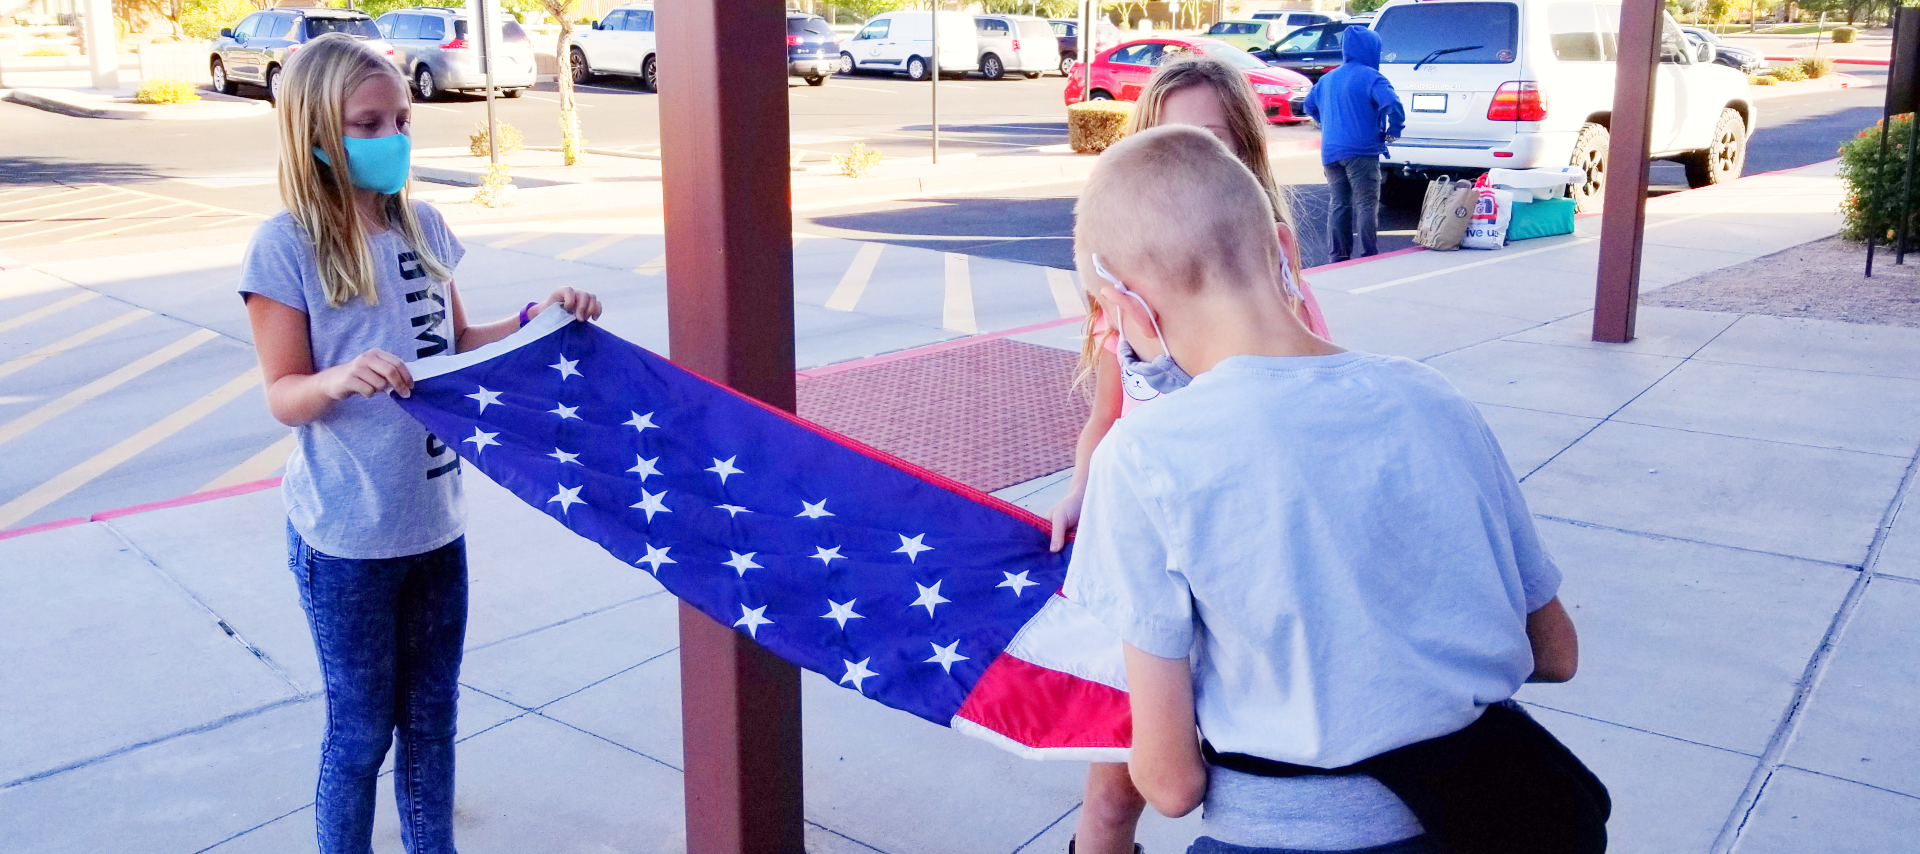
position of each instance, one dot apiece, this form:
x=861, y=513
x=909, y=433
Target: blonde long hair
x=1245, y=125
x=313, y=97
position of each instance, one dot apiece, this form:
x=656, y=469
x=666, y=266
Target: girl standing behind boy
x=342, y=289
x=1206, y=93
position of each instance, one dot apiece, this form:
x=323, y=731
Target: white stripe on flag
x=1065, y=637
x=1057, y=754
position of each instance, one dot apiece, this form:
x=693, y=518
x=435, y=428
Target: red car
x=1120, y=72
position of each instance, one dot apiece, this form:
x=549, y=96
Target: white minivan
x=903, y=41
x=1518, y=84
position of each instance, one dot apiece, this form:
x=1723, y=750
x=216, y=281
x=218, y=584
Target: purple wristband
x=523, y=313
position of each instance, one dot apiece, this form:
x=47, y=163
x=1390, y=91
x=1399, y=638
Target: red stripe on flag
x=1045, y=708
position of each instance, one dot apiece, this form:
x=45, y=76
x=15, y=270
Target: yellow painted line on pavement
x=518, y=239
x=853, y=283
x=956, y=312
x=231, y=220
x=71, y=400
x=64, y=483
x=13, y=366
x=1066, y=295
x=260, y=466
x=94, y=221
x=72, y=196
x=137, y=225
x=654, y=267
x=590, y=247
x=234, y=211
x=47, y=311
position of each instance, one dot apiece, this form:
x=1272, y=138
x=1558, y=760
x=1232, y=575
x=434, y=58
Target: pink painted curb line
x=182, y=501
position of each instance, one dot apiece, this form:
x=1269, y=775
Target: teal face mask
x=381, y=164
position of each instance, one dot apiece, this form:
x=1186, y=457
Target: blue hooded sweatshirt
x=1354, y=104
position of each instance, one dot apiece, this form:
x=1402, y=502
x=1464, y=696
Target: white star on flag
x=565, y=412
x=1019, y=582
x=486, y=398
x=481, y=439
x=567, y=498
x=656, y=557
x=723, y=468
x=857, y=672
x=753, y=619
x=912, y=546
x=732, y=509
x=566, y=367
x=841, y=613
x=565, y=457
x=826, y=557
x=742, y=562
x=645, y=467
x=929, y=597
x=813, y=511
x=640, y=422
x=945, y=656
x=651, y=503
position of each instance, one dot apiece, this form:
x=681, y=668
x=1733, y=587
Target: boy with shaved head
x=1317, y=558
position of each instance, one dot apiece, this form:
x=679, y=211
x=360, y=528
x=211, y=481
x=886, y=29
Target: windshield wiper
x=1443, y=52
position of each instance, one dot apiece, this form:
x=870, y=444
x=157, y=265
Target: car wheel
x=916, y=68
x=816, y=81
x=582, y=72
x=1030, y=75
x=512, y=93
x=1590, y=156
x=425, y=88
x=1725, y=157
x=649, y=75
x=991, y=68
x=1066, y=65
x=221, y=82
x=273, y=83
x=1100, y=95
x=846, y=63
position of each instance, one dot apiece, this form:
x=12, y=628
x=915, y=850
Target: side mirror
x=226, y=32
x=1705, y=53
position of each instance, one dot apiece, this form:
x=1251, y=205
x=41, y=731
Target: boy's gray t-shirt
x=366, y=480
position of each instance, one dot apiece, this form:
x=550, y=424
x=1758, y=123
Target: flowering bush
x=1874, y=185
x=165, y=92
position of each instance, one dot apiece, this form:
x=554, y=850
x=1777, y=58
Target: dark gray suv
x=255, y=51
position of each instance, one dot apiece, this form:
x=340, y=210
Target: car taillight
x=456, y=44
x=1518, y=101
x=1016, y=45
x=795, y=41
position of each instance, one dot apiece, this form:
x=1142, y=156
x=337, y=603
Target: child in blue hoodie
x=1359, y=113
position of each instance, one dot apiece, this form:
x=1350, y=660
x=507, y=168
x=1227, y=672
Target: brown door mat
x=989, y=415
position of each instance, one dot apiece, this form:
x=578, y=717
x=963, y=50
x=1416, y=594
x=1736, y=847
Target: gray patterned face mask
x=1143, y=380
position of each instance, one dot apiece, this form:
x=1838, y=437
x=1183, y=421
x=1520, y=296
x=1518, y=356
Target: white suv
x=1517, y=84
x=620, y=43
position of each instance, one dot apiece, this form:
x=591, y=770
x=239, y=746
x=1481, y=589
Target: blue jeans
x=1354, y=184
x=1422, y=844
x=389, y=634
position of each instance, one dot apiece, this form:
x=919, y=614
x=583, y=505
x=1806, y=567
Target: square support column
x=729, y=224
x=102, y=42
x=1616, y=297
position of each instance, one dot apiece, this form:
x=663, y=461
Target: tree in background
x=864, y=9
x=203, y=19
x=1042, y=8
x=570, y=141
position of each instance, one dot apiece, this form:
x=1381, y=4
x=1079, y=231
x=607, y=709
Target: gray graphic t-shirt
x=365, y=480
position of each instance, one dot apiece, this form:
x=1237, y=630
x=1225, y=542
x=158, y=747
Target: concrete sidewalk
x=1723, y=494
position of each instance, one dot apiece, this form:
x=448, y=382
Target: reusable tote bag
x=1445, y=214
x=1491, y=210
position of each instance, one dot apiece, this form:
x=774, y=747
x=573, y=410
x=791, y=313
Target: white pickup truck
x=1518, y=84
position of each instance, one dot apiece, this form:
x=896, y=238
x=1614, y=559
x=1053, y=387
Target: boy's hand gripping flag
x=916, y=591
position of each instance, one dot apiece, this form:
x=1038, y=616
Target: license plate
x=1430, y=103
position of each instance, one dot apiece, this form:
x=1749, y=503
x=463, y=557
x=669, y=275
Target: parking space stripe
x=90, y=220
x=654, y=267
x=518, y=239
x=1066, y=295
x=47, y=311
x=68, y=402
x=258, y=467
x=80, y=475
x=76, y=199
x=956, y=312
x=234, y=211
x=13, y=366
x=590, y=247
x=78, y=238
x=853, y=283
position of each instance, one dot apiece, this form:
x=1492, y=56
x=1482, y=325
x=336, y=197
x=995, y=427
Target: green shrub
x=166, y=92
x=1872, y=193
x=1093, y=126
x=1815, y=67
x=1789, y=73
x=1844, y=35
x=858, y=161
x=46, y=51
x=1762, y=80
x=510, y=140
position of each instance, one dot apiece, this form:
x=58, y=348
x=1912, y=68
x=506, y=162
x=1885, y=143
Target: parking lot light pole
x=1616, y=298
x=934, y=81
x=726, y=185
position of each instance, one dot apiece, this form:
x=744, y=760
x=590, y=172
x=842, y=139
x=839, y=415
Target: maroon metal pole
x=1617, y=292
x=729, y=221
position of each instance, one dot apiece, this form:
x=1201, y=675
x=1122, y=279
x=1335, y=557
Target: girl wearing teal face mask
x=345, y=287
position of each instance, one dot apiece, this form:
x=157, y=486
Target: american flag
x=916, y=591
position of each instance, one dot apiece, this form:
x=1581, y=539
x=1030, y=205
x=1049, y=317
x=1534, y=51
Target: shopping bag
x=1491, y=210
x=1445, y=214
x=1543, y=218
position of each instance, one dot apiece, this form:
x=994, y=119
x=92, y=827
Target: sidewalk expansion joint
x=253, y=828
x=1656, y=734
x=581, y=616
x=196, y=729
x=1581, y=523
x=1050, y=825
